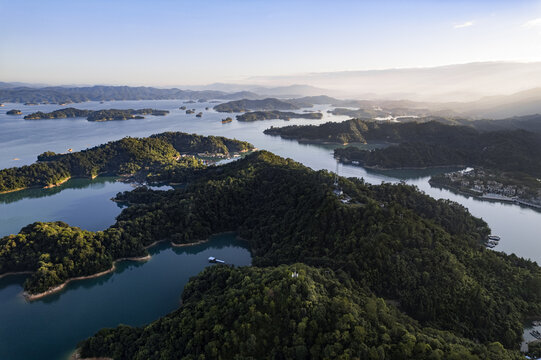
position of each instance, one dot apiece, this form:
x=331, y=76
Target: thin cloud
x=464, y=25
x=532, y=23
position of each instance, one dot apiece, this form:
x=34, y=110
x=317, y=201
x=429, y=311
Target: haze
x=188, y=43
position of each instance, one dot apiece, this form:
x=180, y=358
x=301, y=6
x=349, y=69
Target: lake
x=135, y=294
x=86, y=203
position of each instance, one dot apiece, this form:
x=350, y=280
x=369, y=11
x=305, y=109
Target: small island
x=13, y=112
x=247, y=105
x=275, y=114
x=93, y=115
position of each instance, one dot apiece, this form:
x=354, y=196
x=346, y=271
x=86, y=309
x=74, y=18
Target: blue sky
x=165, y=42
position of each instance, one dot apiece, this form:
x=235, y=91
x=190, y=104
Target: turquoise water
x=80, y=202
x=86, y=306
x=135, y=294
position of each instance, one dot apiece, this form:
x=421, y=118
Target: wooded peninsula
x=154, y=154
x=415, y=266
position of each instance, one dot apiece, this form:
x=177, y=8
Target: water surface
x=137, y=293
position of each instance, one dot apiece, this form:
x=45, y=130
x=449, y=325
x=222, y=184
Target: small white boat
x=212, y=259
x=494, y=237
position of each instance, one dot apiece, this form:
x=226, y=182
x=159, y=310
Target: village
x=490, y=186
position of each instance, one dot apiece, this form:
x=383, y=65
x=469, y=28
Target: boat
x=226, y=120
x=494, y=237
x=536, y=334
x=212, y=259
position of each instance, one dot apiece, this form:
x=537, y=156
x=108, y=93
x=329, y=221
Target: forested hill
x=61, y=94
x=156, y=153
x=264, y=104
x=357, y=130
x=96, y=115
x=426, y=144
x=424, y=254
x=275, y=114
x=515, y=152
x=264, y=313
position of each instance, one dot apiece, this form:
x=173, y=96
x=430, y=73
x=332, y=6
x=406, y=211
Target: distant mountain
x=5, y=85
x=58, y=94
x=289, y=91
x=503, y=106
x=528, y=122
x=460, y=82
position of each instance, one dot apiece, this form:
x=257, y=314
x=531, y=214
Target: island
x=506, y=162
x=274, y=114
x=129, y=156
x=96, y=115
x=13, y=112
x=337, y=265
x=65, y=95
x=247, y=105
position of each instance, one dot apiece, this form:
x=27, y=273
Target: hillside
x=60, y=94
x=156, y=153
x=274, y=114
x=424, y=254
x=264, y=104
x=264, y=313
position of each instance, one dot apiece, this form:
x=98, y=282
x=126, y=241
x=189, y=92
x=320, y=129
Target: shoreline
x=16, y=273
x=55, y=289
x=377, y=167
x=58, y=183
x=483, y=197
x=50, y=186
x=190, y=244
x=75, y=355
x=32, y=297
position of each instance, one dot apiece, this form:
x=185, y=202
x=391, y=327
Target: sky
x=172, y=43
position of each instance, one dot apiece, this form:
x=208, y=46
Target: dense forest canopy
x=426, y=144
x=161, y=152
x=275, y=114
x=424, y=254
x=96, y=115
x=265, y=313
x=264, y=104
x=358, y=130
